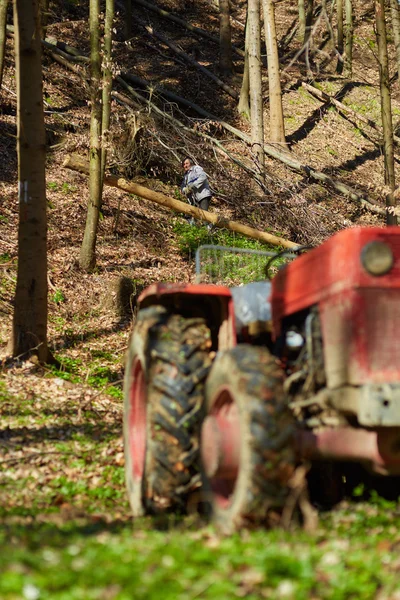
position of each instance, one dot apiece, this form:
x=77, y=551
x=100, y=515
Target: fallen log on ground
x=198, y=30
x=290, y=160
x=77, y=163
x=151, y=31
x=324, y=97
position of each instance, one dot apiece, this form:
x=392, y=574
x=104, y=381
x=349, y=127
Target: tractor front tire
x=168, y=362
x=244, y=394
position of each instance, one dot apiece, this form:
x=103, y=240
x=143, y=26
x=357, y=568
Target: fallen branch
x=227, y=88
x=183, y=127
x=167, y=94
x=192, y=28
x=285, y=157
x=324, y=97
x=76, y=163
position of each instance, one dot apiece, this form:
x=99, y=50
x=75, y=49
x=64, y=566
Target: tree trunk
x=309, y=19
x=348, y=59
x=77, y=164
x=256, y=100
x=340, y=38
x=225, y=39
x=3, y=35
x=44, y=12
x=394, y=7
x=107, y=82
x=302, y=20
x=244, y=100
x=87, y=259
x=386, y=108
x=277, y=126
x=30, y=313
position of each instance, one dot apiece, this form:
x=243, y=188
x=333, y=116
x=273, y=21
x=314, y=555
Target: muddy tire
x=245, y=387
x=168, y=362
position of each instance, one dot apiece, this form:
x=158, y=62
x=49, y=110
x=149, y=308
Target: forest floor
x=65, y=527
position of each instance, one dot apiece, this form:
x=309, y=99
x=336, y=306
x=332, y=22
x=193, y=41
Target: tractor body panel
x=212, y=302
x=359, y=312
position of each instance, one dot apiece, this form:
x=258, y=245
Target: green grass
x=190, y=237
x=224, y=267
x=125, y=561
x=66, y=531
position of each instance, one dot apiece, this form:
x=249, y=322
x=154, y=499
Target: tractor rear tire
x=246, y=383
x=168, y=362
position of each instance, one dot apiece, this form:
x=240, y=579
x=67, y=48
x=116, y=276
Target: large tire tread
x=267, y=428
x=177, y=357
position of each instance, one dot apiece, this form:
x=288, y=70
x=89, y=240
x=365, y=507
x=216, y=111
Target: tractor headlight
x=377, y=258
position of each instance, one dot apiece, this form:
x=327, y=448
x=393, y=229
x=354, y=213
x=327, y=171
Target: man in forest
x=195, y=185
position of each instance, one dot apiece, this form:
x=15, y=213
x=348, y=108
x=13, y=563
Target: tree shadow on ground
x=72, y=340
x=8, y=152
x=39, y=534
x=25, y=436
x=312, y=121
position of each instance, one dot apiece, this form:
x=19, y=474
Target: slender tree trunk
x=107, y=82
x=340, y=38
x=3, y=35
x=30, y=312
x=44, y=12
x=309, y=20
x=225, y=38
x=348, y=59
x=302, y=20
x=244, y=100
x=277, y=126
x=256, y=100
x=386, y=108
x=88, y=249
x=394, y=8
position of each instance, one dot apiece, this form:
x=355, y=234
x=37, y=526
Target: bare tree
x=277, y=126
x=348, y=59
x=225, y=38
x=256, y=101
x=340, y=38
x=88, y=249
x=107, y=81
x=386, y=108
x=394, y=8
x=244, y=99
x=302, y=20
x=3, y=25
x=29, y=334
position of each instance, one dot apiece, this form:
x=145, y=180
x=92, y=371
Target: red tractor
x=231, y=393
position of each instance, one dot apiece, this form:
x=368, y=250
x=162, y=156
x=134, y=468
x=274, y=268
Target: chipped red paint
x=359, y=312
x=220, y=447
x=379, y=450
x=160, y=289
x=137, y=421
x=330, y=270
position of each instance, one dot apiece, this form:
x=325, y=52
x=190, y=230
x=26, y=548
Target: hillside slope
x=140, y=240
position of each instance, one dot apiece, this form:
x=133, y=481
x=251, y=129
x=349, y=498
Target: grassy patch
x=66, y=533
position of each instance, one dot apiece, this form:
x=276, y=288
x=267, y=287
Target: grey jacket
x=197, y=181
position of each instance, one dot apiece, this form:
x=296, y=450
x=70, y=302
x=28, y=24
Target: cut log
x=77, y=163
x=287, y=158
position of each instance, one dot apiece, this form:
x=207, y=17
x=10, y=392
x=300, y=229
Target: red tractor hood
x=360, y=312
